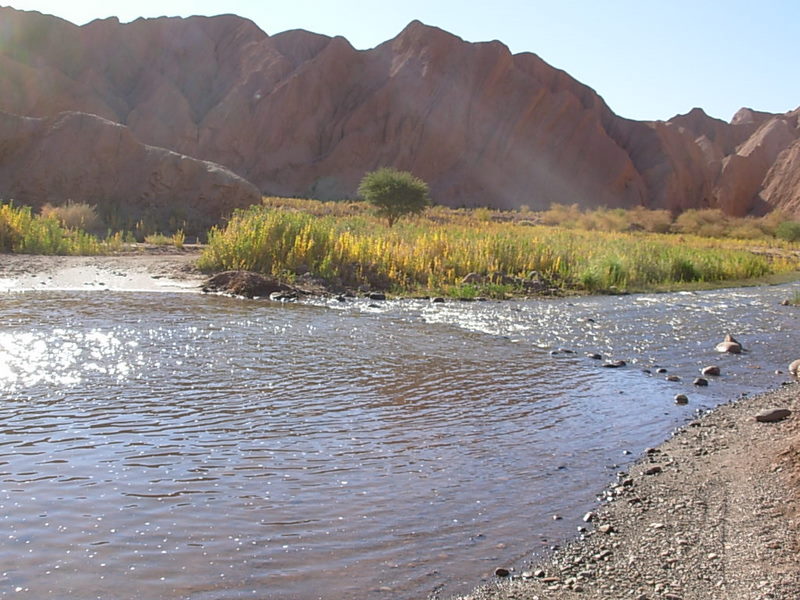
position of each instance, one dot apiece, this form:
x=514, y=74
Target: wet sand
x=147, y=269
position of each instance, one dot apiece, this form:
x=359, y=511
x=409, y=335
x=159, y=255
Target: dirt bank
x=147, y=268
x=710, y=514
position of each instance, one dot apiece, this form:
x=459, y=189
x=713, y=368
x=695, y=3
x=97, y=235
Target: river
x=188, y=446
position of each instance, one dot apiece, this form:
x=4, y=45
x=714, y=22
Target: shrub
x=394, y=193
x=789, y=231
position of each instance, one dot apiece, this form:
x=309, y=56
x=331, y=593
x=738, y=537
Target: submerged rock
x=614, y=364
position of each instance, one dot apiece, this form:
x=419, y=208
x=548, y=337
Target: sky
x=648, y=59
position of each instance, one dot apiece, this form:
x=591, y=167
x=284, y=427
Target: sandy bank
x=149, y=269
x=710, y=514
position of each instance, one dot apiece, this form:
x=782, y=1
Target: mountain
x=304, y=114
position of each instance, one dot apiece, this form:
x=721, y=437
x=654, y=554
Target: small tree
x=394, y=193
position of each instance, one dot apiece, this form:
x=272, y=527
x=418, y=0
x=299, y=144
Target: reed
x=433, y=254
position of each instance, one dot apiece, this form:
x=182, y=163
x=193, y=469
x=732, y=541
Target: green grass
x=432, y=254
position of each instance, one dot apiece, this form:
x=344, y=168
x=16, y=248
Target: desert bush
x=75, y=215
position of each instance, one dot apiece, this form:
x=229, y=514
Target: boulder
x=247, y=284
x=729, y=345
x=773, y=415
x=82, y=157
x=794, y=367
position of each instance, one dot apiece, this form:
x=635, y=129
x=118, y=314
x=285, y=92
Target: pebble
x=653, y=470
x=438, y=300
x=681, y=399
x=672, y=378
x=594, y=356
x=711, y=370
x=661, y=370
x=605, y=529
x=502, y=572
x=699, y=381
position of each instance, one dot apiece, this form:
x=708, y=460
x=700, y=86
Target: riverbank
x=713, y=513
x=147, y=268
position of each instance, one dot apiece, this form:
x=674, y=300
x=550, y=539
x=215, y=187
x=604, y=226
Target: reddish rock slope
x=304, y=114
x=77, y=156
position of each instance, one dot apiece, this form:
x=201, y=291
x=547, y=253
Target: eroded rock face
x=304, y=114
x=82, y=157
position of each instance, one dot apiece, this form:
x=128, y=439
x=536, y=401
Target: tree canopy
x=394, y=193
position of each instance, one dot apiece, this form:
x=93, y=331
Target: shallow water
x=182, y=446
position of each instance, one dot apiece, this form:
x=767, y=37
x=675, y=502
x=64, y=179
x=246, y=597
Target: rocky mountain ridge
x=304, y=114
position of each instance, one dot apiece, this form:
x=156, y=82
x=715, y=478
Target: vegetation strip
x=466, y=257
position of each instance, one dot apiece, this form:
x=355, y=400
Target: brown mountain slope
x=77, y=156
x=304, y=114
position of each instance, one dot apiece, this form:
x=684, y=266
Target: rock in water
x=773, y=415
x=681, y=399
x=729, y=345
x=794, y=367
x=711, y=370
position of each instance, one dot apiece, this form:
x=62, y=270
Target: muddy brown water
x=184, y=446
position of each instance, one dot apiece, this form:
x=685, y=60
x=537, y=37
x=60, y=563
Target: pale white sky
x=649, y=60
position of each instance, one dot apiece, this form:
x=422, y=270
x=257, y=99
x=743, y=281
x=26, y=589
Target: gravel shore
x=710, y=514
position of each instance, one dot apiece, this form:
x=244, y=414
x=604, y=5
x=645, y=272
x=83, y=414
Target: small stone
x=661, y=370
x=681, y=399
x=710, y=370
x=502, y=572
x=539, y=573
x=653, y=470
x=376, y=296
x=605, y=529
x=712, y=556
x=657, y=526
x=437, y=300
x=557, y=517
x=527, y=575
x=594, y=356
x=589, y=516
x=773, y=415
x=699, y=381
x=672, y=378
